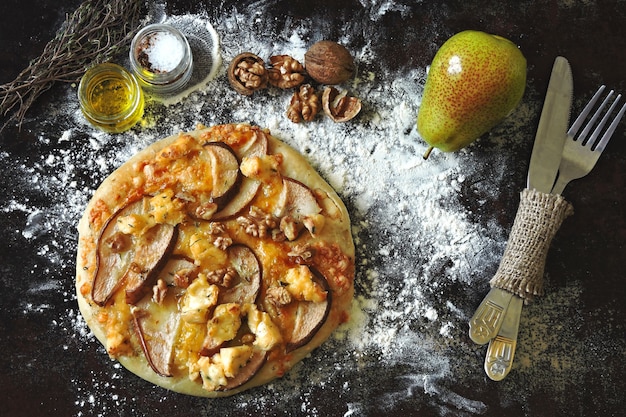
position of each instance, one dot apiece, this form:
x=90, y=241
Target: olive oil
x=110, y=98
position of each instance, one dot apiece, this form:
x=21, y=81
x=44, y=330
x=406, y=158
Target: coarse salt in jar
x=161, y=58
x=110, y=97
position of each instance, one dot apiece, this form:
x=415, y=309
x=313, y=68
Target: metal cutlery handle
x=501, y=350
x=519, y=278
x=486, y=322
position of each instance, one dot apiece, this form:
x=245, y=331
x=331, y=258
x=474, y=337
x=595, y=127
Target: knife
x=497, y=317
x=542, y=172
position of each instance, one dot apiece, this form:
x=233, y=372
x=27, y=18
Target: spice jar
x=161, y=58
x=110, y=98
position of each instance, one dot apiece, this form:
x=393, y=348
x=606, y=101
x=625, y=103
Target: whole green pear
x=475, y=80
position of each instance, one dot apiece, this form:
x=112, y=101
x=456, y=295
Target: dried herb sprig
x=97, y=31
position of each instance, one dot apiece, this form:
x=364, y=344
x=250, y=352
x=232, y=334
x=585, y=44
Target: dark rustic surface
x=40, y=368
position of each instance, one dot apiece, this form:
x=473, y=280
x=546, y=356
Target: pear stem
x=428, y=151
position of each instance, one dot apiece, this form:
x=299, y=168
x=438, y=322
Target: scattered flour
x=420, y=249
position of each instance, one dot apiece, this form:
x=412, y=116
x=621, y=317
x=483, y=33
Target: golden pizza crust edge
x=117, y=189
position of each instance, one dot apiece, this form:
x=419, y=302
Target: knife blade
x=552, y=129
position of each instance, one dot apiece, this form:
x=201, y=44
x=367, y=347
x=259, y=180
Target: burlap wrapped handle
x=538, y=218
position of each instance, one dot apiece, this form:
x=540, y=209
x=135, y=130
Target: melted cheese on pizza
x=229, y=304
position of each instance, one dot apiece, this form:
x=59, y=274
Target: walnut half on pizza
x=214, y=260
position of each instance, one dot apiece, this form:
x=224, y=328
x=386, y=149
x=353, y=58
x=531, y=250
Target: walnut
x=328, y=62
x=249, y=226
x=247, y=73
x=222, y=242
x=229, y=277
x=278, y=235
x=216, y=228
x=278, y=296
x=184, y=277
x=339, y=106
x=159, y=291
x=262, y=217
x=304, y=104
x=257, y=223
x=206, y=210
x=302, y=254
x=290, y=227
x=223, y=277
x=286, y=72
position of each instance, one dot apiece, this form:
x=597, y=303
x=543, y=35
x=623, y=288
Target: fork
x=581, y=154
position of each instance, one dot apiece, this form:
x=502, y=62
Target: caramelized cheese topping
x=215, y=341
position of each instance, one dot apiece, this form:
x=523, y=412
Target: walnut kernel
x=286, y=72
x=184, y=277
x=278, y=296
x=159, y=291
x=224, y=277
x=302, y=254
x=247, y=73
x=304, y=104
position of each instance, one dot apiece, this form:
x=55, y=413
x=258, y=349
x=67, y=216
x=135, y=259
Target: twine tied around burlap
x=538, y=218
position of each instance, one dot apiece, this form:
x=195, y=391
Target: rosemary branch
x=95, y=32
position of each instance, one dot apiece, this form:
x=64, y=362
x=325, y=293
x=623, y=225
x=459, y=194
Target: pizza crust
x=334, y=240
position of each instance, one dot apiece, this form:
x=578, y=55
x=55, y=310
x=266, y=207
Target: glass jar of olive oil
x=110, y=98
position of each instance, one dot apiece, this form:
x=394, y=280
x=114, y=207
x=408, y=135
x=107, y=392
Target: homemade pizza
x=214, y=260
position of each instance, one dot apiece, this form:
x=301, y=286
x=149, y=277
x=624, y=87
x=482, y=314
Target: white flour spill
x=420, y=249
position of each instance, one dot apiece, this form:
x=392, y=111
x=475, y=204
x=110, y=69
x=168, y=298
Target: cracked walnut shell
x=339, y=106
x=304, y=104
x=286, y=72
x=247, y=73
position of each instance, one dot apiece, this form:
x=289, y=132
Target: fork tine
x=598, y=129
x=583, y=115
x=609, y=132
x=578, y=158
x=593, y=119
